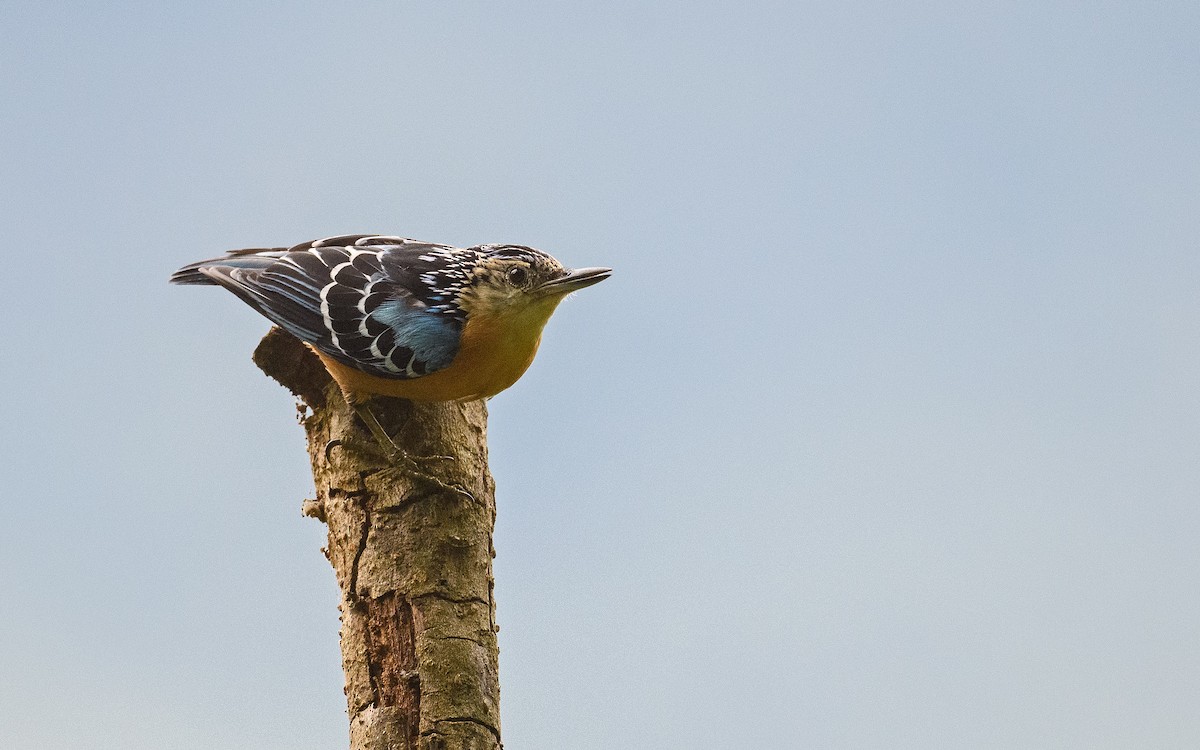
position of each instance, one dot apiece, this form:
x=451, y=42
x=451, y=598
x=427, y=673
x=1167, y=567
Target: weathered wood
x=412, y=553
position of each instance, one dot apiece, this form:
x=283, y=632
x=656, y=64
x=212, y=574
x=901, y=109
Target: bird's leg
x=389, y=447
x=397, y=457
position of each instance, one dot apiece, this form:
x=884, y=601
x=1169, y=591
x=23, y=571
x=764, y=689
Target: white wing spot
x=388, y=363
x=326, y=317
x=366, y=292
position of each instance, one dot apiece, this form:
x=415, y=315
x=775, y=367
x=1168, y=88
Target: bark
x=412, y=552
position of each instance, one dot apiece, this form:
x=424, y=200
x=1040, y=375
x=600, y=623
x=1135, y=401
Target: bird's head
x=516, y=280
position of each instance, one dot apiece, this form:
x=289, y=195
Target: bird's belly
x=494, y=352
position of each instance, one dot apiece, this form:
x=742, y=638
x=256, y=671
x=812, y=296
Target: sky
x=883, y=434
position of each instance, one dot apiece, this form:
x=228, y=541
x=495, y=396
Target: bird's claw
x=335, y=443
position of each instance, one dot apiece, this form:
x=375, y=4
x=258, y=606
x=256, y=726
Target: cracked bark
x=413, y=559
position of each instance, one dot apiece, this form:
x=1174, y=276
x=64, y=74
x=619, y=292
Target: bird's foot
x=385, y=450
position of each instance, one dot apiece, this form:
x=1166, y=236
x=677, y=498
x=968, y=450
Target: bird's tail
x=251, y=260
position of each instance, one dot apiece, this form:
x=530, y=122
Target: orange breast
x=494, y=351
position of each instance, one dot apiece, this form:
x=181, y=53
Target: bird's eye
x=518, y=276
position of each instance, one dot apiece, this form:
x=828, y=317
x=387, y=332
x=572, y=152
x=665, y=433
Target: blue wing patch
x=432, y=338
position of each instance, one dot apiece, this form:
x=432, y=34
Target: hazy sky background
x=884, y=433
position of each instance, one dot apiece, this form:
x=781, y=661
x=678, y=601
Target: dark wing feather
x=252, y=258
x=340, y=295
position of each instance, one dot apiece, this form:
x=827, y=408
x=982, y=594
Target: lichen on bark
x=412, y=552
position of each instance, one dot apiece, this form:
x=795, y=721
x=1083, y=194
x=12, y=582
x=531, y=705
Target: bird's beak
x=575, y=280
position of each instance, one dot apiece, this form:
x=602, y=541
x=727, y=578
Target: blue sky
x=882, y=435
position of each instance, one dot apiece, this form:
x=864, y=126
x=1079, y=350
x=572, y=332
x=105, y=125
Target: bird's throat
x=497, y=347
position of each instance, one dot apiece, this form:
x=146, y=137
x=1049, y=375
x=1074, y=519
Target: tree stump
x=412, y=552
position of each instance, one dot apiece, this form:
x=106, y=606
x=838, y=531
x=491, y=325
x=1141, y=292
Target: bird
x=397, y=317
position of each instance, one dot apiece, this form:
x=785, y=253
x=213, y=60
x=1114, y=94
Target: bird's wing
x=337, y=295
